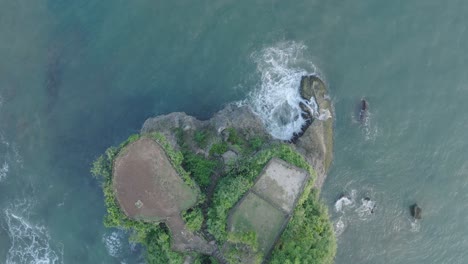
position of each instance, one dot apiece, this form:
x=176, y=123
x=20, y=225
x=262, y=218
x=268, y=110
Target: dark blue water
x=79, y=76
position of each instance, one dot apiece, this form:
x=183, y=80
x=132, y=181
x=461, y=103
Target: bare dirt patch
x=281, y=184
x=147, y=186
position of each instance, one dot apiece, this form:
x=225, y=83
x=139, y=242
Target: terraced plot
x=267, y=207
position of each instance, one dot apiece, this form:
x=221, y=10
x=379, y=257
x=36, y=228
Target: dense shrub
x=193, y=218
x=201, y=138
x=308, y=237
x=219, y=148
x=199, y=168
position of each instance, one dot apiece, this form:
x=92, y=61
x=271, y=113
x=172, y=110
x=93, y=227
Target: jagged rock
x=315, y=141
x=310, y=85
x=416, y=211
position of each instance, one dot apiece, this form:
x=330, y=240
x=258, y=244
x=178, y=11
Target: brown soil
x=147, y=186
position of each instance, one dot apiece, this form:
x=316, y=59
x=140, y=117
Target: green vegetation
x=158, y=247
x=204, y=259
x=308, y=237
x=234, y=137
x=201, y=138
x=193, y=218
x=256, y=143
x=199, y=167
x=219, y=148
x=241, y=145
x=246, y=238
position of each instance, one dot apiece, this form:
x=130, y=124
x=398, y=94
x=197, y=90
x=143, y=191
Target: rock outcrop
x=241, y=118
x=314, y=142
x=416, y=211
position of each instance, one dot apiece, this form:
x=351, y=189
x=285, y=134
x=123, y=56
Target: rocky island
x=223, y=190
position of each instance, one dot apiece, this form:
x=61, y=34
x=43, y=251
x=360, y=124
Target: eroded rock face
x=316, y=141
x=240, y=118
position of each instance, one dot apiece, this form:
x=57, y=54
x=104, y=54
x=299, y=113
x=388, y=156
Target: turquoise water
x=79, y=76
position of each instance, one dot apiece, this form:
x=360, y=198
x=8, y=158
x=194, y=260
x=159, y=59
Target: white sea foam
x=30, y=243
x=339, y=227
x=4, y=170
x=276, y=99
x=114, y=243
x=369, y=128
x=343, y=202
x=346, y=201
x=415, y=226
x=366, y=209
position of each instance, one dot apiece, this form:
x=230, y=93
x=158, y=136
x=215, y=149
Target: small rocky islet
x=223, y=197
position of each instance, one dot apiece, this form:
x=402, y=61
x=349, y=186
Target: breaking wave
x=276, y=98
x=366, y=209
x=343, y=202
x=348, y=211
x=30, y=243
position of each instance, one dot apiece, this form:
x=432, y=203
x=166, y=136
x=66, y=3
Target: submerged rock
x=363, y=109
x=416, y=211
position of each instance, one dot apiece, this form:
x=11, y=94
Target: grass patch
x=255, y=215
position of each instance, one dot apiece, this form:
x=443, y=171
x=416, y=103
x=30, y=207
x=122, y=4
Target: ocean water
x=79, y=76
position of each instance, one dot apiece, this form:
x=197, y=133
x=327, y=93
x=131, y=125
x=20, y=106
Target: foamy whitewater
x=114, y=242
x=4, y=170
x=30, y=243
x=348, y=210
x=276, y=99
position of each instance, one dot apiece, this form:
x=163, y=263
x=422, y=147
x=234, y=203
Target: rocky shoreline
x=314, y=142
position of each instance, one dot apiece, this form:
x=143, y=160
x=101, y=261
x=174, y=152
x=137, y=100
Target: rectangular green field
x=255, y=214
